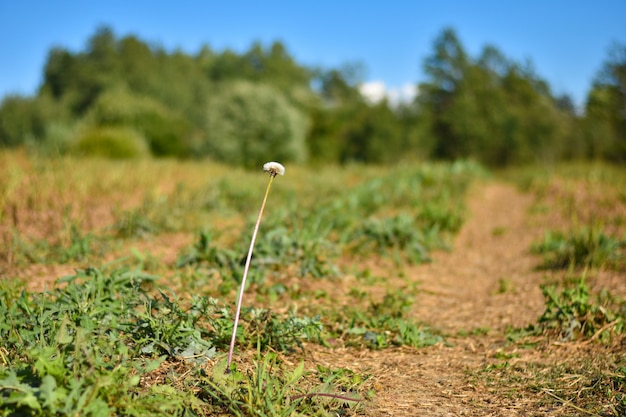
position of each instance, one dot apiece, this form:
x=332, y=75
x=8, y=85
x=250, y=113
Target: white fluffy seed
x=274, y=168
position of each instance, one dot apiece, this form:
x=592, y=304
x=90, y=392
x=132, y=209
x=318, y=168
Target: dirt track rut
x=487, y=282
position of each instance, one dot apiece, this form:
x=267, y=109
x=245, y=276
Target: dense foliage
x=240, y=108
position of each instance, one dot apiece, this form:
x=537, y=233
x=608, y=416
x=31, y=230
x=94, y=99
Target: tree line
x=122, y=98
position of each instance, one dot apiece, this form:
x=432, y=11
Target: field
x=417, y=290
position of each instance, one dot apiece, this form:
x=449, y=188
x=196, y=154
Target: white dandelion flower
x=274, y=168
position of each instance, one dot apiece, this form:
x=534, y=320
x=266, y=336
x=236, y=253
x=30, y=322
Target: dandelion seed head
x=274, y=168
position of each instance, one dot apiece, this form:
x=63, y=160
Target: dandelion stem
x=245, y=274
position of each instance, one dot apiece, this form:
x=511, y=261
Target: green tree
x=487, y=108
x=79, y=79
x=604, y=123
x=25, y=120
x=374, y=135
x=167, y=133
x=115, y=142
x=336, y=110
x=346, y=128
x=247, y=124
x=446, y=69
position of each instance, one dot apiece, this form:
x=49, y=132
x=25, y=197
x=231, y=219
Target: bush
x=26, y=120
x=165, y=132
x=587, y=247
x=572, y=314
x=111, y=142
x=248, y=124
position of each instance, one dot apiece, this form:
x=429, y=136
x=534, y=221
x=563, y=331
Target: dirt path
x=487, y=282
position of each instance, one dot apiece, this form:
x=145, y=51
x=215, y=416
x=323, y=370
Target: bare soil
x=472, y=294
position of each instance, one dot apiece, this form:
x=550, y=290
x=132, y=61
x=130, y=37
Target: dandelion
x=272, y=168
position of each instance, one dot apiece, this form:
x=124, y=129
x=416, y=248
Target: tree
x=25, y=120
x=79, y=79
x=247, y=124
x=166, y=132
x=487, y=108
x=446, y=69
x=374, y=135
x=604, y=123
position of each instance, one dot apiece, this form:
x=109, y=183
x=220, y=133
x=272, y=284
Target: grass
x=143, y=326
x=572, y=313
x=588, y=247
x=591, y=385
x=91, y=346
x=571, y=360
x=114, y=339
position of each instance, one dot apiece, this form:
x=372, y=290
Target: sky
x=567, y=41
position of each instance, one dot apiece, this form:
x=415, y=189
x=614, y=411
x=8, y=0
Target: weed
x=571, y=314
x=394, y=304
x=135, y=223
x=505, y=285
x=110, y=341
x=399, y=233
x=587, y=385
x=85, y=347
x=382, y=325
x=82, y=349
x=587, y=247
x=205, y=252
x=312, y=255
x=77, y=247
x=267, y=330
x=267, y=389
x=498, y=231
x=273, y=168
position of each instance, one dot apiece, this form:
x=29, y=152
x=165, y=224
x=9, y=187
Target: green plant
x=88, y=346
x=572, y=314
x=382, y=324
x=84, y=348
x=248, y=122
x=311, y=253
x=204, y=251
x=166, y=132
x=266, y=330
x=587, y=247
x=111, y=142
x=505, y=285
x=267, y=389
x=78, y=246
x=399, y=233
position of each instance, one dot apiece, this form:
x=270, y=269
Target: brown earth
x=487, y=282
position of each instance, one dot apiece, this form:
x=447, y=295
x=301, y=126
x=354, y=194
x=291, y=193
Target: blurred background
x=242, y=82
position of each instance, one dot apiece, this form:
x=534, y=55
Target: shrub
x=111, y=142
x=572, y=314
x=587, y=247
x=24, y=119
x=165, y=132
x=248, y=123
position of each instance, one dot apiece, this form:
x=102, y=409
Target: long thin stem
x=245, y=274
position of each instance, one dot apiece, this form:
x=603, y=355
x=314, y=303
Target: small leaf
x=297, y=373
x=50, y=393
x=63, y=336
x=152, y=365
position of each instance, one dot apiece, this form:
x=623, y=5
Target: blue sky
x=567, y=41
